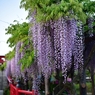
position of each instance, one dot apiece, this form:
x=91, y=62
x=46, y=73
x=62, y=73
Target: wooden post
x=33, y=92
x=17, y=93
x=10, y=89
x=46, y=86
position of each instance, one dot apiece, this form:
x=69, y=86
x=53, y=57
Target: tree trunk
x=82, y=81
x=46, y=86
x=34, y=86
x=92, y=78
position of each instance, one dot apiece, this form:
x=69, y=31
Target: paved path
x=3, y=82
x=89, y=93
x=1, y=92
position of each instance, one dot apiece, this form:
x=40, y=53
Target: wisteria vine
x=67, y=41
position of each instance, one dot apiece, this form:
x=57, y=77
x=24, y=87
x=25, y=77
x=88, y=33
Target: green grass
x=88, y=84
x=6, y=91
x=88, y=87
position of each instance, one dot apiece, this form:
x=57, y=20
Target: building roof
x=2, y=59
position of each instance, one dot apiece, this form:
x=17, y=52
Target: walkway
x=1, y=92
x=3, y=82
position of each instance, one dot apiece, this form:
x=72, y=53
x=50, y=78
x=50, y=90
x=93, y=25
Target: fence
x=16, y=91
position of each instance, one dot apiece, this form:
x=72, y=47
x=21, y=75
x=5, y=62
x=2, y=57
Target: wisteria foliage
x=55, y=42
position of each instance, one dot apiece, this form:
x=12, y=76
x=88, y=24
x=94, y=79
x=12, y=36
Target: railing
x=16, y=91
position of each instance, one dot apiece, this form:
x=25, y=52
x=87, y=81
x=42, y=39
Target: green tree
x=54, y=9
x=19, y=33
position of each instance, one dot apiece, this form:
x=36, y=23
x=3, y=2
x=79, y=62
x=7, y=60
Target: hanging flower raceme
x=17, y=58
x=90, y=26
x=8, y=68
x=34, y=31
x=78, y=48
x=57, y=45
x=42, y=47
x=13, y=67
x=64, y=37
x=55, y=42
x=43, y=51
x=66, y=29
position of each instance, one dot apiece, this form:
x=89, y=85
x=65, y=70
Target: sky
x=9, y=11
